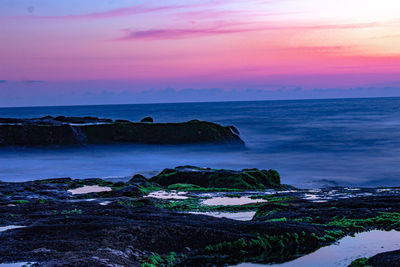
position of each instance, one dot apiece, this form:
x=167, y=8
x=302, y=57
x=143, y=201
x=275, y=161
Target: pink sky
x=196, y=44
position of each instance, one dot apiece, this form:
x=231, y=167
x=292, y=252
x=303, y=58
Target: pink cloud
x=231, y=28
x=125, y=11
x=178, y=33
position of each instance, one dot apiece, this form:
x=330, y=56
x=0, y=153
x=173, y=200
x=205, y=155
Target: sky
x=133, y=51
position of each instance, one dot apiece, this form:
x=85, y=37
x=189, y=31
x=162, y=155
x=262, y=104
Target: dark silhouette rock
x=139, y=180
x=391, y=258
x=63, y=130
x=147, y=119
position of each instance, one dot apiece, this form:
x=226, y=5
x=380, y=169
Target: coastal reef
x=213, y=178
x=91, y=130
x=140, y=222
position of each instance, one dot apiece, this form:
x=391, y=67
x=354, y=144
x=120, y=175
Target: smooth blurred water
x=312, y=143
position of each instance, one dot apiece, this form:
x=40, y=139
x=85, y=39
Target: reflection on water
x=349, y=248
x=89, y=189
x=167, y=195
x=230, y=201
x=17, y=264
x=10, y=227
x=239, y=216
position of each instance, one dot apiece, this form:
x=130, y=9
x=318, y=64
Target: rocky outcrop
x=206, y=177
x=52, y=227
x=147, y=119
x=90, y=130
x=391, y=258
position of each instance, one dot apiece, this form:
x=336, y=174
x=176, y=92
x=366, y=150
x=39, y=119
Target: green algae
x=386, y=220
x=150, y=188
x=131, y=203
x=284, y=246
x=193, y=204
x=247, y=179
x=361, y=262
x=155, y=259
x=21, y=201
x=69, y=212
x=195, y=188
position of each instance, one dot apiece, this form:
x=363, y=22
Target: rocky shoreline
x=96, y=222
x=61, y=130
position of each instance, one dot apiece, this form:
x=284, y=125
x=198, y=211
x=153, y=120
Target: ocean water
x=312, y=143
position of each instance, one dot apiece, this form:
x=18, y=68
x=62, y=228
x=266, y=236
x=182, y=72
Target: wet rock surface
x=63, y=130
x=206, y=177
x=391, y=258
x=124, y=227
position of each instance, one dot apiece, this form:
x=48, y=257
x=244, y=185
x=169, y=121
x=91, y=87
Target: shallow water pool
x=10, y=227
x=89, y=189
x=231, y=201
x=167, y=195
x=349, y=248
x=239, y=216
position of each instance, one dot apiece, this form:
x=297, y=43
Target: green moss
x=42, y=201
x=260, y=214
x=22, y=201
x=304, y=219
x=255, y=245
x=74, y=211
x=233, y=195
x=247, y=179
x=193, y=204
x=283, y=246
x=386, y=220
x=130, y=203
x=362, y=262
x=196, y=188
x=155, y=260
x=148, y=189
x=278, y=220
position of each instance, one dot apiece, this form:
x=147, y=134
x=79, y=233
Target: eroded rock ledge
x=91, y=130
x=123, y=226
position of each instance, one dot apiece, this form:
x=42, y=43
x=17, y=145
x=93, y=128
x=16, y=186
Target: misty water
x=312, y=143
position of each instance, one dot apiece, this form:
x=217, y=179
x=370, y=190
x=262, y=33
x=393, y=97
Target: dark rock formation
x=90, y=130
x=68, y=230
x=205, y=177
x=139, y=180
x=391, y=258
x=147, y=119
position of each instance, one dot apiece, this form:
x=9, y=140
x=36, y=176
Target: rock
x=127, y=191
x=139, y=180
x=205, y=177
x=391, y=258
x=133, y=231
x=91, y=130
x=234, y=130
x=147, y=119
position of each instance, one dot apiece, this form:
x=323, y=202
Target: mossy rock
x=247, y=179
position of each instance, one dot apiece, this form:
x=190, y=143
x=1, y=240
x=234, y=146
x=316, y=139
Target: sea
x=311, y=143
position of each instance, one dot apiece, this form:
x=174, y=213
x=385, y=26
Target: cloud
x=179, y=33
x=127, y=11
x=231, y=28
